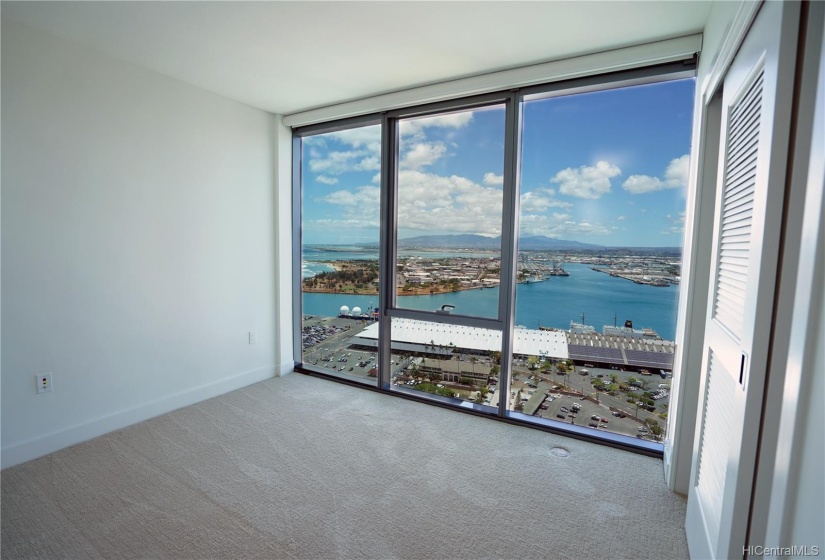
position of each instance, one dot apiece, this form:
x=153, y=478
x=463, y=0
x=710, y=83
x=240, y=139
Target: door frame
x=696, y=261
x=799, y=302
x=768, y=294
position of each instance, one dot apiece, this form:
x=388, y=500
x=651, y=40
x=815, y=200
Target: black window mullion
x=509, y=245
x=387, y=246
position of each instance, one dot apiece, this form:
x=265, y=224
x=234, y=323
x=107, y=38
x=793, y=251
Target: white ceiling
x=285, y=57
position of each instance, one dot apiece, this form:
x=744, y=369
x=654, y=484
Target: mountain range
x=471, y=241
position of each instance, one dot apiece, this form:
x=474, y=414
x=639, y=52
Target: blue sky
x=608, y=168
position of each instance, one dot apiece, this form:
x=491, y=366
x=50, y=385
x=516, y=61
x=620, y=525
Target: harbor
x=550, y=304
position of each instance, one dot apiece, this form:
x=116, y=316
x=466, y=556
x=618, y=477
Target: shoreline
x=420, y=292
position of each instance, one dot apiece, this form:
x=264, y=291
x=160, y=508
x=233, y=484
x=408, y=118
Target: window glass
x=450, y=201
x=340, y=186
x=603, y=185
x=453, y=361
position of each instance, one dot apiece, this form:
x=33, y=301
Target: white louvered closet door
x=757, y=97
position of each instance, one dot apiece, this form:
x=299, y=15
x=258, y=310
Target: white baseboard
x=34, y=448
x=286, y=368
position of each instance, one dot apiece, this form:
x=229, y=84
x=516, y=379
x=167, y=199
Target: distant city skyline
x=608, y=168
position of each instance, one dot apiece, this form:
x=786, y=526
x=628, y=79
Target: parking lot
x=563, y=390
x=326, y=346
x=329, y=344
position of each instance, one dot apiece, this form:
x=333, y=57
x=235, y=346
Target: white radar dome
x=356, y=310
x=344, y=310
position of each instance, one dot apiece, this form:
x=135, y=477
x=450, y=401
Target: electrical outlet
x=44, y=382
x=253, y=337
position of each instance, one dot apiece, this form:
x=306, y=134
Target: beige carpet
x=299, y=467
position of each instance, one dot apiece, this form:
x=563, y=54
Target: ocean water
x=552, y=303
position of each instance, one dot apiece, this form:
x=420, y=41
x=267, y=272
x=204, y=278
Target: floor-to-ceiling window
x=603, y=184
x=339, y=195
x=517, y=254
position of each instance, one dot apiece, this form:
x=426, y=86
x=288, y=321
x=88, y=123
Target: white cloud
x=677, y=224
x=361, y=150
x=336, y=163
x=533, y=201
x=423, y=154
x=415, y=127
x=493, y=180
x=326, y=180
x=368, y=196
x=559, y=225
x=586, y=181
x=365, y=136
x=358, y=208
x=676, y=176
x=428, y=203
x=678, y=170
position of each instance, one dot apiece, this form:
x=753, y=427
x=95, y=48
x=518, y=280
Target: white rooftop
x=527, y=341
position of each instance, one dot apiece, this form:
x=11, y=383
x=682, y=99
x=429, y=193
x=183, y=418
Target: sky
x=608, y=168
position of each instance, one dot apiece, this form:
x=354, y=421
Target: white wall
x=283, y=250
x=808, y=494
x=138, y=243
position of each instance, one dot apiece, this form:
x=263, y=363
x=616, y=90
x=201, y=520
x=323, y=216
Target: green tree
x=654, y=426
